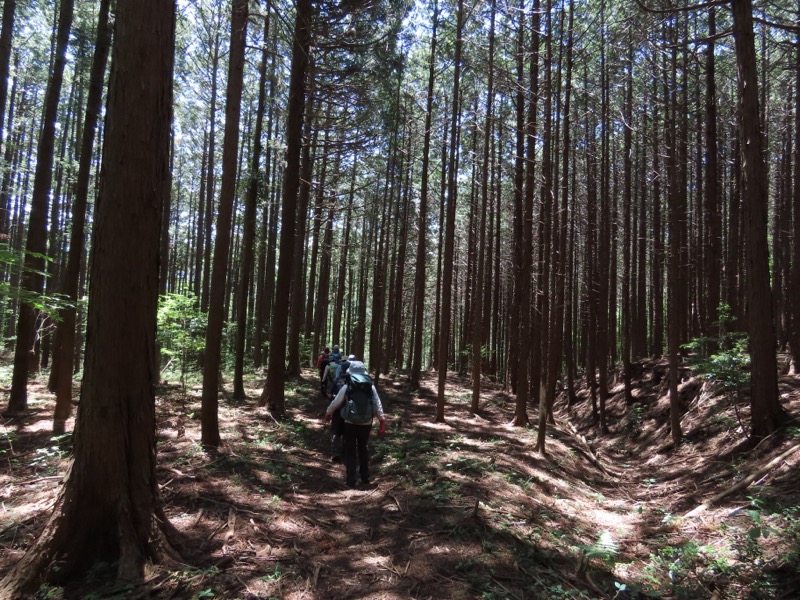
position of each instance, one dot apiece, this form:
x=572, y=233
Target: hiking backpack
x=359, y=407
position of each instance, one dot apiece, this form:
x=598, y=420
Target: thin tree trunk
x=447, y=275
x=216, y=315
x=249, y=235
x=477, y=319
x=65, y=333
x=556, y=344
x=422, y=235
x=273, y=393
x=296, y=306
x=36, y=244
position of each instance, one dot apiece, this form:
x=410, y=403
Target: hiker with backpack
x=358, y=404
x=337, y=423
x=329, y=377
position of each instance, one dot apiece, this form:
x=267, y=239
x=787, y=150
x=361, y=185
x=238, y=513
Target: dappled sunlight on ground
x=460, y=509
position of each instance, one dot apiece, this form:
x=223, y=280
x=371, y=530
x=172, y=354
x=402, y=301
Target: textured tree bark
x=299, y=267
x=526, y=236
x=109, y=508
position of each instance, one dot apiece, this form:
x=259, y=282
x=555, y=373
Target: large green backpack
x=359, y=407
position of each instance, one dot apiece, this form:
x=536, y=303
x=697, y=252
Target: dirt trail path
x=463, y=509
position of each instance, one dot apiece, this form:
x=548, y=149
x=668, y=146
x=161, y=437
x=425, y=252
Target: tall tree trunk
x=477, y=319
x=296, y=306
x=338, y=305
x=316, y=226
x=603, y=259
x=251, y=204
x=713, y=224
x=422, y=235
x=449, y=242
x=552, y=359
x=514, y=342
x=36, y=244
x=204, y=256
x=794, y=332
x=109, y=509
x=273, y=393
x=6, y=37
x=766, y=411
x=526, y=238
x=65, y=333
x=674, y=316
x=627, y=307
x=216, y=313
x=657, y=278
x=266, y=259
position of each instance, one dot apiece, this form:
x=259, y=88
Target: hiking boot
x=350, y=484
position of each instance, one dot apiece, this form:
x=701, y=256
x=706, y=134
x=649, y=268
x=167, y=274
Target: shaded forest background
x=531, y=194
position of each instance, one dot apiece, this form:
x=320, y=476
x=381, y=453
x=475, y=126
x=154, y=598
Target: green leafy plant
x=723, y=359
x=181, y=331
x=605, y=548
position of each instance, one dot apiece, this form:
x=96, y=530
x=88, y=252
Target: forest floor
x=456, y=510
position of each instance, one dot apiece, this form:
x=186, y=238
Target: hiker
x=323, y=359
x=329, y=377
x=340, y=378
x=337, y=423
x=358, y=403
x=322, y=364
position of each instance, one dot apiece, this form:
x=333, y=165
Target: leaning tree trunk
x=109, y=509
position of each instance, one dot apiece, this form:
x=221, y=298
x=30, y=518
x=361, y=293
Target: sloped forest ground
x=457, y=510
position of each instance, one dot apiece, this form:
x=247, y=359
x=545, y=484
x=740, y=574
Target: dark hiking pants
x=337, y=429
x=355, y=451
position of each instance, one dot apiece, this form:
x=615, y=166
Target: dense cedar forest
x=550, y=202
